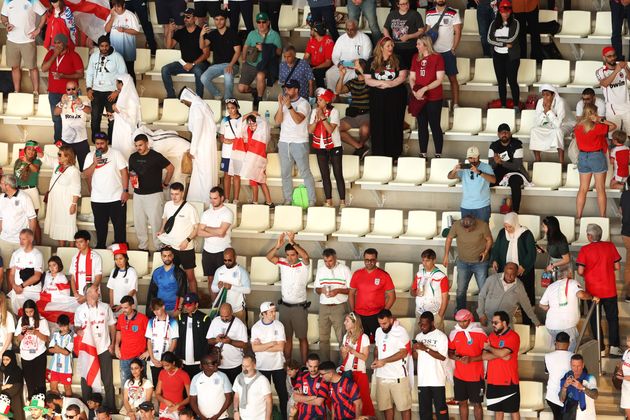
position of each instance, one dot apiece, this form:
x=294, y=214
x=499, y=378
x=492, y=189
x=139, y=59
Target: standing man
x=16, y=213
x=506, y=157
x=86, y=267
x=26, y=266
x=145, y=173
x=319, y=53
x=578, y=391
x=108, y=179
x=141, y=9
x=430, y=288
x=345, y=399
x=613, y=78
x=557, y=363
x=485, y=16
x=131, y=343
x=294, y=276
x=228, y=335
x=162, y=334
x=526, y=12
x=619, y=11
x=597, y=262
x=501, y=352
x=310, y=392
x=215, y=227
x=298, y=69
x=371, y=291
x=99, y=318
x=332, y=284
x=324, y=11
x=168, y=283
x=192, y=326
x=367, y=8
x=293, y=145
x=252, y=393
x=235, y=279
x=73, y=113
x=210, y=390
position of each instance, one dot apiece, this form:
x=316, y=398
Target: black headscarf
x=12, y=372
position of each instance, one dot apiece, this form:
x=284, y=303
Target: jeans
x=612, y=316
x=215, y=71
x=175, y=68
x=481, y=214
x=465, y=270
x=326, y=14
x=54, y=99
x=430, y=116
x=125, y=369
x=573, y=335
x=107, y=376
x=485, y=16
x=141, y=9
x=279, y=378
x=368, y=9
x=506, y=69
x=99, y=104
x=245, y=8
x=298, y=153
x=618, y=13
x=117, y=213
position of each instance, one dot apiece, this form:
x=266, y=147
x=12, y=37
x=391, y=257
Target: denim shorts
x=450, y=63
x=592, y=162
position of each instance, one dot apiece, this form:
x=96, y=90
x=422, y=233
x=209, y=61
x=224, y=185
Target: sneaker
x=342, y=204
x=271, y=206
x=423, y=155
x=615, y=351
x=438, y=156
x=327, y=204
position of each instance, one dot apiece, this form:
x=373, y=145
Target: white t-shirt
x=256, y=394
x=127, y=20
x=21, y=260
x=365, y=342
x=15, y=213
x=57, y=284
x=137, y=393
x=599, y=103
x=293, y=280
x=238, y=277
x=290, y=132
x=99, y=318
x=266, y=333
x=161, y=333
x=388, y=345
x=74, y=124
x=231, y=356
x=22, y=15
x=431, y=370
x=229, y=134
x=214, y=218
x=333, y=118
x=210, y=392
x=31, y=346
x=184, y=224
x=9, y=328
x=446, y=35
x=429, y=284
x=80, y=274
x=616, y=94
x=564, y=311
x=337, y=277
x=123, y=283
x=557, y=363
x=107, y=183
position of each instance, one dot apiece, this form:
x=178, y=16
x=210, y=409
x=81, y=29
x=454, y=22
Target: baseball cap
x=146, y=406
x=265, y=306
x=473, y=152
x=191, y=298
x=262, y=16
x=503, y=127
x=188, y=11
x=221, y=13
x=292, y=84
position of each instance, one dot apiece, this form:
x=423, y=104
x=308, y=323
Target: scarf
x=11, y=374
x=512, y=251
x=322, y=139
x=88, y=269
x=240, y=379
x=472, y=327
x=355, y=361
x=563, y=293
x=572, y=392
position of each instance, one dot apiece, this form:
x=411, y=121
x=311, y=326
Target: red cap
x=607, y=49
x=505, y=5
x=119, y=249
x=327, y=95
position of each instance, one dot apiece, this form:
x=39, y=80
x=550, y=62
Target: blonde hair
x=379, y=63
x=3, y=309
x=585, y=120
x=357, y=331
x=428, y=43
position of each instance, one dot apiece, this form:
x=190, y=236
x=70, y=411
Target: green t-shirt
x=26, y=179
x=254, y=37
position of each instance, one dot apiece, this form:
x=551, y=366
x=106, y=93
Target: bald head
x=229, y=257
x=225, y=312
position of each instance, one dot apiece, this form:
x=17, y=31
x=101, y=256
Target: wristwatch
x=126, y=190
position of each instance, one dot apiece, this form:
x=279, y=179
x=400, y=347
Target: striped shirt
x=61, y=363
x=315, y=387
x=360, y=93
x=343, y=394
x=337, y=277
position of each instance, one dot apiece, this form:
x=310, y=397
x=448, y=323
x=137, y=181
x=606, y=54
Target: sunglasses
x=100, y=136
x=227, y=260
x=261, y=21
x=59, y=155
x=352, y=316
x=68, y=416
x=70, y=89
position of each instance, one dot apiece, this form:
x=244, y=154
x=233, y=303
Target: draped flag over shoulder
x=89, y=366
x=220, y=300
x=50, y=306
x=89, y=15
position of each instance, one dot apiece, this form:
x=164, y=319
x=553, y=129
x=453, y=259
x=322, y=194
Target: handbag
x=415, y=105
x=434, y=32
x=50, y=189
x=168, y=226
x=187, y=163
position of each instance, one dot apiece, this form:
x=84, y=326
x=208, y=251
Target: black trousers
x=432, y=396
x=326, y=14
x=34, y=372
x=245, y=8
x=430, y=116
x=107, y=376
x=103, y=213
x=618, y=13
x=272, y=8
x=141, y=9
x=131, y=71
x=515, y=183
x=506, y=69
x=333, y=157
x=320, y=77
x=81, y=149
x=528, y=279
x=528, y=22
x=279, y=378
x=232, y=373
x=191, y=370
x=100, y=103
x=555, y=409
x=612, y=316
x=155, y=374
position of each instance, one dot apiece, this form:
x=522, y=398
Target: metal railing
x=597, y=333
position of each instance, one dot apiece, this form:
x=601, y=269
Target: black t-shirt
x=188, y=43
x=148, y=168
x=222, y=46
x=625, y=213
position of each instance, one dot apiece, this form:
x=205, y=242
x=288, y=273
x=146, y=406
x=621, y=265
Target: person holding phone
x=578, y=391
x=32, y=337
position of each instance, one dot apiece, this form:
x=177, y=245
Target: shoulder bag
x=168, y=226
x=434, y=32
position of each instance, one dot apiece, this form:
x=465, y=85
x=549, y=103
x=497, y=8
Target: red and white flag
x=89, y=366
x=89, y=15
x=50, y=306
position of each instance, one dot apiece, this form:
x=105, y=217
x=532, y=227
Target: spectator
x=192, y=326
x=168, y=12
x=95, y=403
x=551, y=124
x=430, y=288
x=62, y=65
x=292, y=114
x=404, y=25
x=12, y=374
x=61, y=346
x=228, y=335
x=68, y=404
x=26, y=170
x=318, y=53
x=210, y=390
x=73, y=113
x=597, y=262
x=485, y=16
x=324, y=11
x=311, y=391
x=108, y=179
x=123, y=28
x=619, y=158
x=131, y=343
x=146, y=411
x=351, y=46
x=324, y=126
x=234, y=278
x=612, y=78
x=253, y=402
x=230, y=125
x=355, y=350
x=127, y=116
x=425, y=79
x=619, y=12
x=168, y=283
x=257, y=46
x=590, y=136
x=588, y=97
x=137, y=389
x=181, y=234
x=345, y=398
x=145, y=173
x=371, y=291
x=16, y=213
x=225, y=46
x=203, y=8
x=356, y=8
x=172, y=383
x=516, y=244
x=449, y=35
x=194, y=57
x=578, y=391
x=7, y=325
x=246, y=9
x=476, y=177
x=623, y=374
x=526, y=12
x=162, y=334
x=358, y=112
x=19, y=21
x=102, y=328
x=332, y=284
x=215, y=227
x=557, y=363
x=292, y=68
x=36, y=407
x=85, y=267
x=465, y=345
x=625, y=236
x=506, y=159
x=501, y=353
x=34, y=334
x=294, y=276
x=506, y=53
x=388, y=97
x=557, y=244
x=25, y=268
x=431, y=350
x=391, y=351
x=141, y=9
x=123, y=281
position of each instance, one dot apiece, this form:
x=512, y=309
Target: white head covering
x=128, y=102
x=550, y=88
x=512, y=251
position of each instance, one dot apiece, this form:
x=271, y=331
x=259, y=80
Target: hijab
x=512, y=251
x=11, y=373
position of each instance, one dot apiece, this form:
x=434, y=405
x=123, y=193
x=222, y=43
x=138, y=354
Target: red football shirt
x=173, y=386
x=370, y=290
x=68, y=63
x=504, y=372
x=598, y=260
x=426, y=72
x=469, y=372
x=320, y=51
x=132, y=340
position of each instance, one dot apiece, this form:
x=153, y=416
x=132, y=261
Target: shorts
x=450, y=63
x=170, y=9
x=225, y=164
x=471, y=391
x=22, y=53
x=34, y=194
x=503, y=398
x=295, y=320
x=63, y=378
x=592, y=162
x=393, y=392
x=210, y=261
x=205, y=8
x=185, y=258
x=358, y=121
x=370, y=325
x=248, y=74
x=620, y=179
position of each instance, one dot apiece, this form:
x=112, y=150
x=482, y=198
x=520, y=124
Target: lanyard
x=58, y=61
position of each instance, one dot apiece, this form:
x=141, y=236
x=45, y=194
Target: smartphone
x=98, y=153
x=540, y=249
x=171, y=20
x=465, y=166
x=349, y=64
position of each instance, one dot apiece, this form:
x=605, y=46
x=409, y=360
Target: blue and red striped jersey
x=343, y=394
x=307, y=385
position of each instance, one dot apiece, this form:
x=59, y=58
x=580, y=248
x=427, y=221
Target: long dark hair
x=170, y=357
x=30, y=304
x=554, y=234
x=497, y=23
x=116, y=269
x=143, y=372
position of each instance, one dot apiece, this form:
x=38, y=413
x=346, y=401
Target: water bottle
x=267, y=115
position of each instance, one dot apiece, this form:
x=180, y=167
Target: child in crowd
x=61, y=346
x=229, y=130
x=94, y=403
x=620, y=159
x=55, y=281
x=123, y=27
x=123, y=280
x=293, y=368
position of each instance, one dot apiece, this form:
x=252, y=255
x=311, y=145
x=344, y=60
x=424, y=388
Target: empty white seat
x=603, y=26
x=320, y=221
x=4, y=154
x=254, y=219
x=150, y=109
x=421, y=224
x=526, y=339
x=543, y=342
x=532, y=396
x=286, y=219
x=270, y=107
x=376, y=170
x=42, y=113
x=466, y=122
x=528, y=120
x=484, y=73
x=351, y=167
x=526, y=72
x=584, y=74
x=440, y=167
x=410, y=171
x=173, y=112
x=162, y=58
x=603, y=223
x=387, y=224
x=107, y=257
x=354, y=222
x=143, y=61
x=288, y=19
x=273, y=166
x=245, y=107
x=496, y=117
x=262, y=271
x=545, y=15
x=575, y=24
x=555, y=72
x=463, y=70
x=531, y=222
x=402, y=275
x=139, y=260
x=471, y=27
x=546, y=176
x=19, y=105
x=567, y=226
x=445, y=123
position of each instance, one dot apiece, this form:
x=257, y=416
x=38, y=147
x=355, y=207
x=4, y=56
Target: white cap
x=265, y=306
x=473, y=152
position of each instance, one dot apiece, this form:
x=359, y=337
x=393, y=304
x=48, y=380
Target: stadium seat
x=603, y=223
x=162, y=58
x=526, y=72
x=376, y=170
x=246, y=107
x=286, y=219
x=524, y=334
x=402, y=275
x=466, y=122
x=495, y=224
x=440, y=167
x=273, y=166
x=463, y=70
x=410, y=171
x=532, y=396
x=272, y=107
x=320, y=221
x=84, y=53
x=263, y=272
x=66, y=254
x=107, y=257
x=545, y=15
x=421, y=224
x=470, y=27
x=254, y=219
x=603, y=26
x=143, y=61
x=341, y=108
x=4, y=154
x=313, y=330
x=150, y=109
x=351, y=167
x=546, y=176
x=445, y=123
x=19, y=105
x=355, y=222
x=314, y=167
x=542, y=342
x=139, y=260
x=584, y=74
x=388, y=224
x=496, y=117
x=173, y=112
x=43, y=110
x=288, y=19
x=408, y=323
x=484, y=73
x=46, y=254
x=555, y=72
x=528, y=120
x=567, y=226
x=531, y=222
x=575, y=24
x=215, y=107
